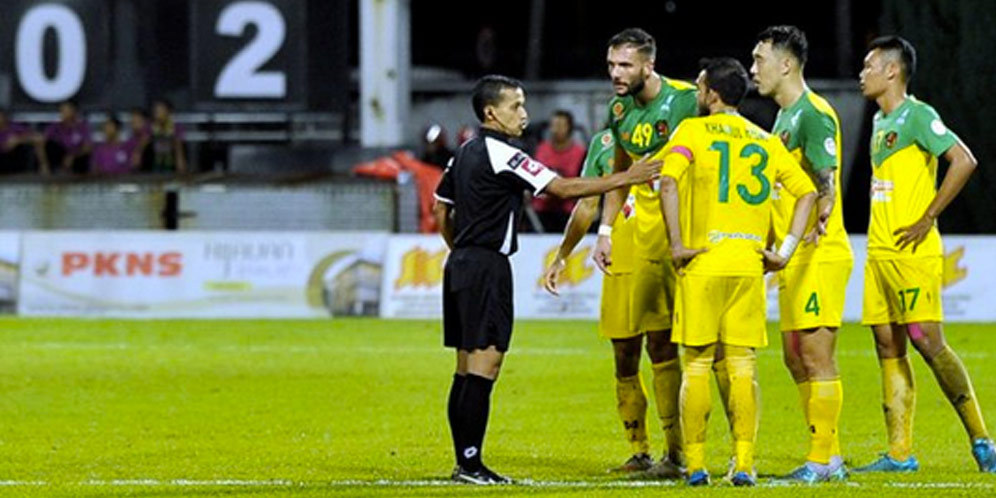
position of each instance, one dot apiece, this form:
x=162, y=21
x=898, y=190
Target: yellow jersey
x=726, y=168
x=599, y=162
x=904, y=150
x=810, y=130
x=644, y=129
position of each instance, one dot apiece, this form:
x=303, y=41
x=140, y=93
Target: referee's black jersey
x=484, y=184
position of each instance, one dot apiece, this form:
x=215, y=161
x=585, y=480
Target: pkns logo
x=122, y=264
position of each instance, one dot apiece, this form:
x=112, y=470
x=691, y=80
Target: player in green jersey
x=904, y=270
x=811, y=288
x=646, y=108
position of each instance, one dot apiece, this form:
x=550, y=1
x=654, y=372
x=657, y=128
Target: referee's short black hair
x=899, y=46
x=727, y=77
x=638, y=39
x=487, y=91
x=788, y=38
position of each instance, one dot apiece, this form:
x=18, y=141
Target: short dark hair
x=788, y=38
x=563, y=113
x=71, y=103
x=139, y=111
x=638, y=38
x=727, y=77
x=487, y=91
x=907, y=54
x=113, y=120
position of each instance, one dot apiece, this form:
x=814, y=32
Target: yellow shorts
x=730, y=310
x=653, y=295
x=903, y=291
x=613, y=322
x=812, y=295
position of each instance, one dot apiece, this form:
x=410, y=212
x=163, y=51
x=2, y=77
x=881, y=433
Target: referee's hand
x=645, y=170
x=552, y=275
x=603, y=254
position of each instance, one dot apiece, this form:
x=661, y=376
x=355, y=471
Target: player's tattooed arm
x=827, y=193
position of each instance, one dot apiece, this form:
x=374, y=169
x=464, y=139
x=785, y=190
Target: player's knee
x=660, y=348
x=627, y=357
x=820, y=366
x=927, y=339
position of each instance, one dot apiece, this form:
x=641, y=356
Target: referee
x=479, y=204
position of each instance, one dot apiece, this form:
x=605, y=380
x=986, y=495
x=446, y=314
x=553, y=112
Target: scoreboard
x=233, y=53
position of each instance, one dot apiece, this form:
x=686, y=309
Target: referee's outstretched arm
x=641, y=171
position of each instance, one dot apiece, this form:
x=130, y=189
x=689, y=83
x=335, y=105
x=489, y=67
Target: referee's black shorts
x=477, y=300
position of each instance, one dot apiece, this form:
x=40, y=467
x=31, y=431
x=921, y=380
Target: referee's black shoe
x=482, y=477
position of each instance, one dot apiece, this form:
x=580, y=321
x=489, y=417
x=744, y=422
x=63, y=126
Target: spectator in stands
x=167, y=140
x=17, y=142
x=561, y=153
x=68, y=142
x=138, y=141
x=434, y=149
x=112, y=156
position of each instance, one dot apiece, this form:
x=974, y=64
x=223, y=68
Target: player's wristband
x=788, y=246
x=604, y=230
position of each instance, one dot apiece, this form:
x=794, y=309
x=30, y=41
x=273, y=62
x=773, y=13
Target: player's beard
x=636, y=87
x=703, y=109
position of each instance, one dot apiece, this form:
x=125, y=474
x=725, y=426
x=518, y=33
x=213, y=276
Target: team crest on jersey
x=607, y=140
x=662, y=128
x=625, y=136
x=785, y=136
x=617, y=110
x=890, y=139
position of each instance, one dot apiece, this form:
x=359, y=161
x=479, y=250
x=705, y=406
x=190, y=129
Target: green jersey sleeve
x=818, y=133
x=929, y=132
x=601, y=150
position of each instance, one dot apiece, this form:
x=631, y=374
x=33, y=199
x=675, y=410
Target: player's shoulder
x=816, y=106
x=678, y=85
x=602, y=140
x=755, y=132
x=921, y=111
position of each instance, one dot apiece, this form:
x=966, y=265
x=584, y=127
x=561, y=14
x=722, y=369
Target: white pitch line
x=422, y=483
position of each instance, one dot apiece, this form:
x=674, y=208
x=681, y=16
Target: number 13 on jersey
x=752, y=195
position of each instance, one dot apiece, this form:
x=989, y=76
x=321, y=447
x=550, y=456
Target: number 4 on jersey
x=813, y=304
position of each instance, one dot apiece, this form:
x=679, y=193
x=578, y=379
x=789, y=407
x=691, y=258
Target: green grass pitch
x=357, y=407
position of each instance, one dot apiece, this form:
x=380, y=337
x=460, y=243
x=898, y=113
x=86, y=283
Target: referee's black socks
x=453, y=411
x=474, y=404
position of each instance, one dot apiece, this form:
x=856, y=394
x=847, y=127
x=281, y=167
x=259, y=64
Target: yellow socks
x=723, y=383
x=957, y=386
x=825, y=401
x=667, y=384
x=804, y=391
x=898, y=400
x=741, y=365
x=632, y=406
x=696, y=402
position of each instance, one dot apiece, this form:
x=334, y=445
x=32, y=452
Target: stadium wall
x=224, y=274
